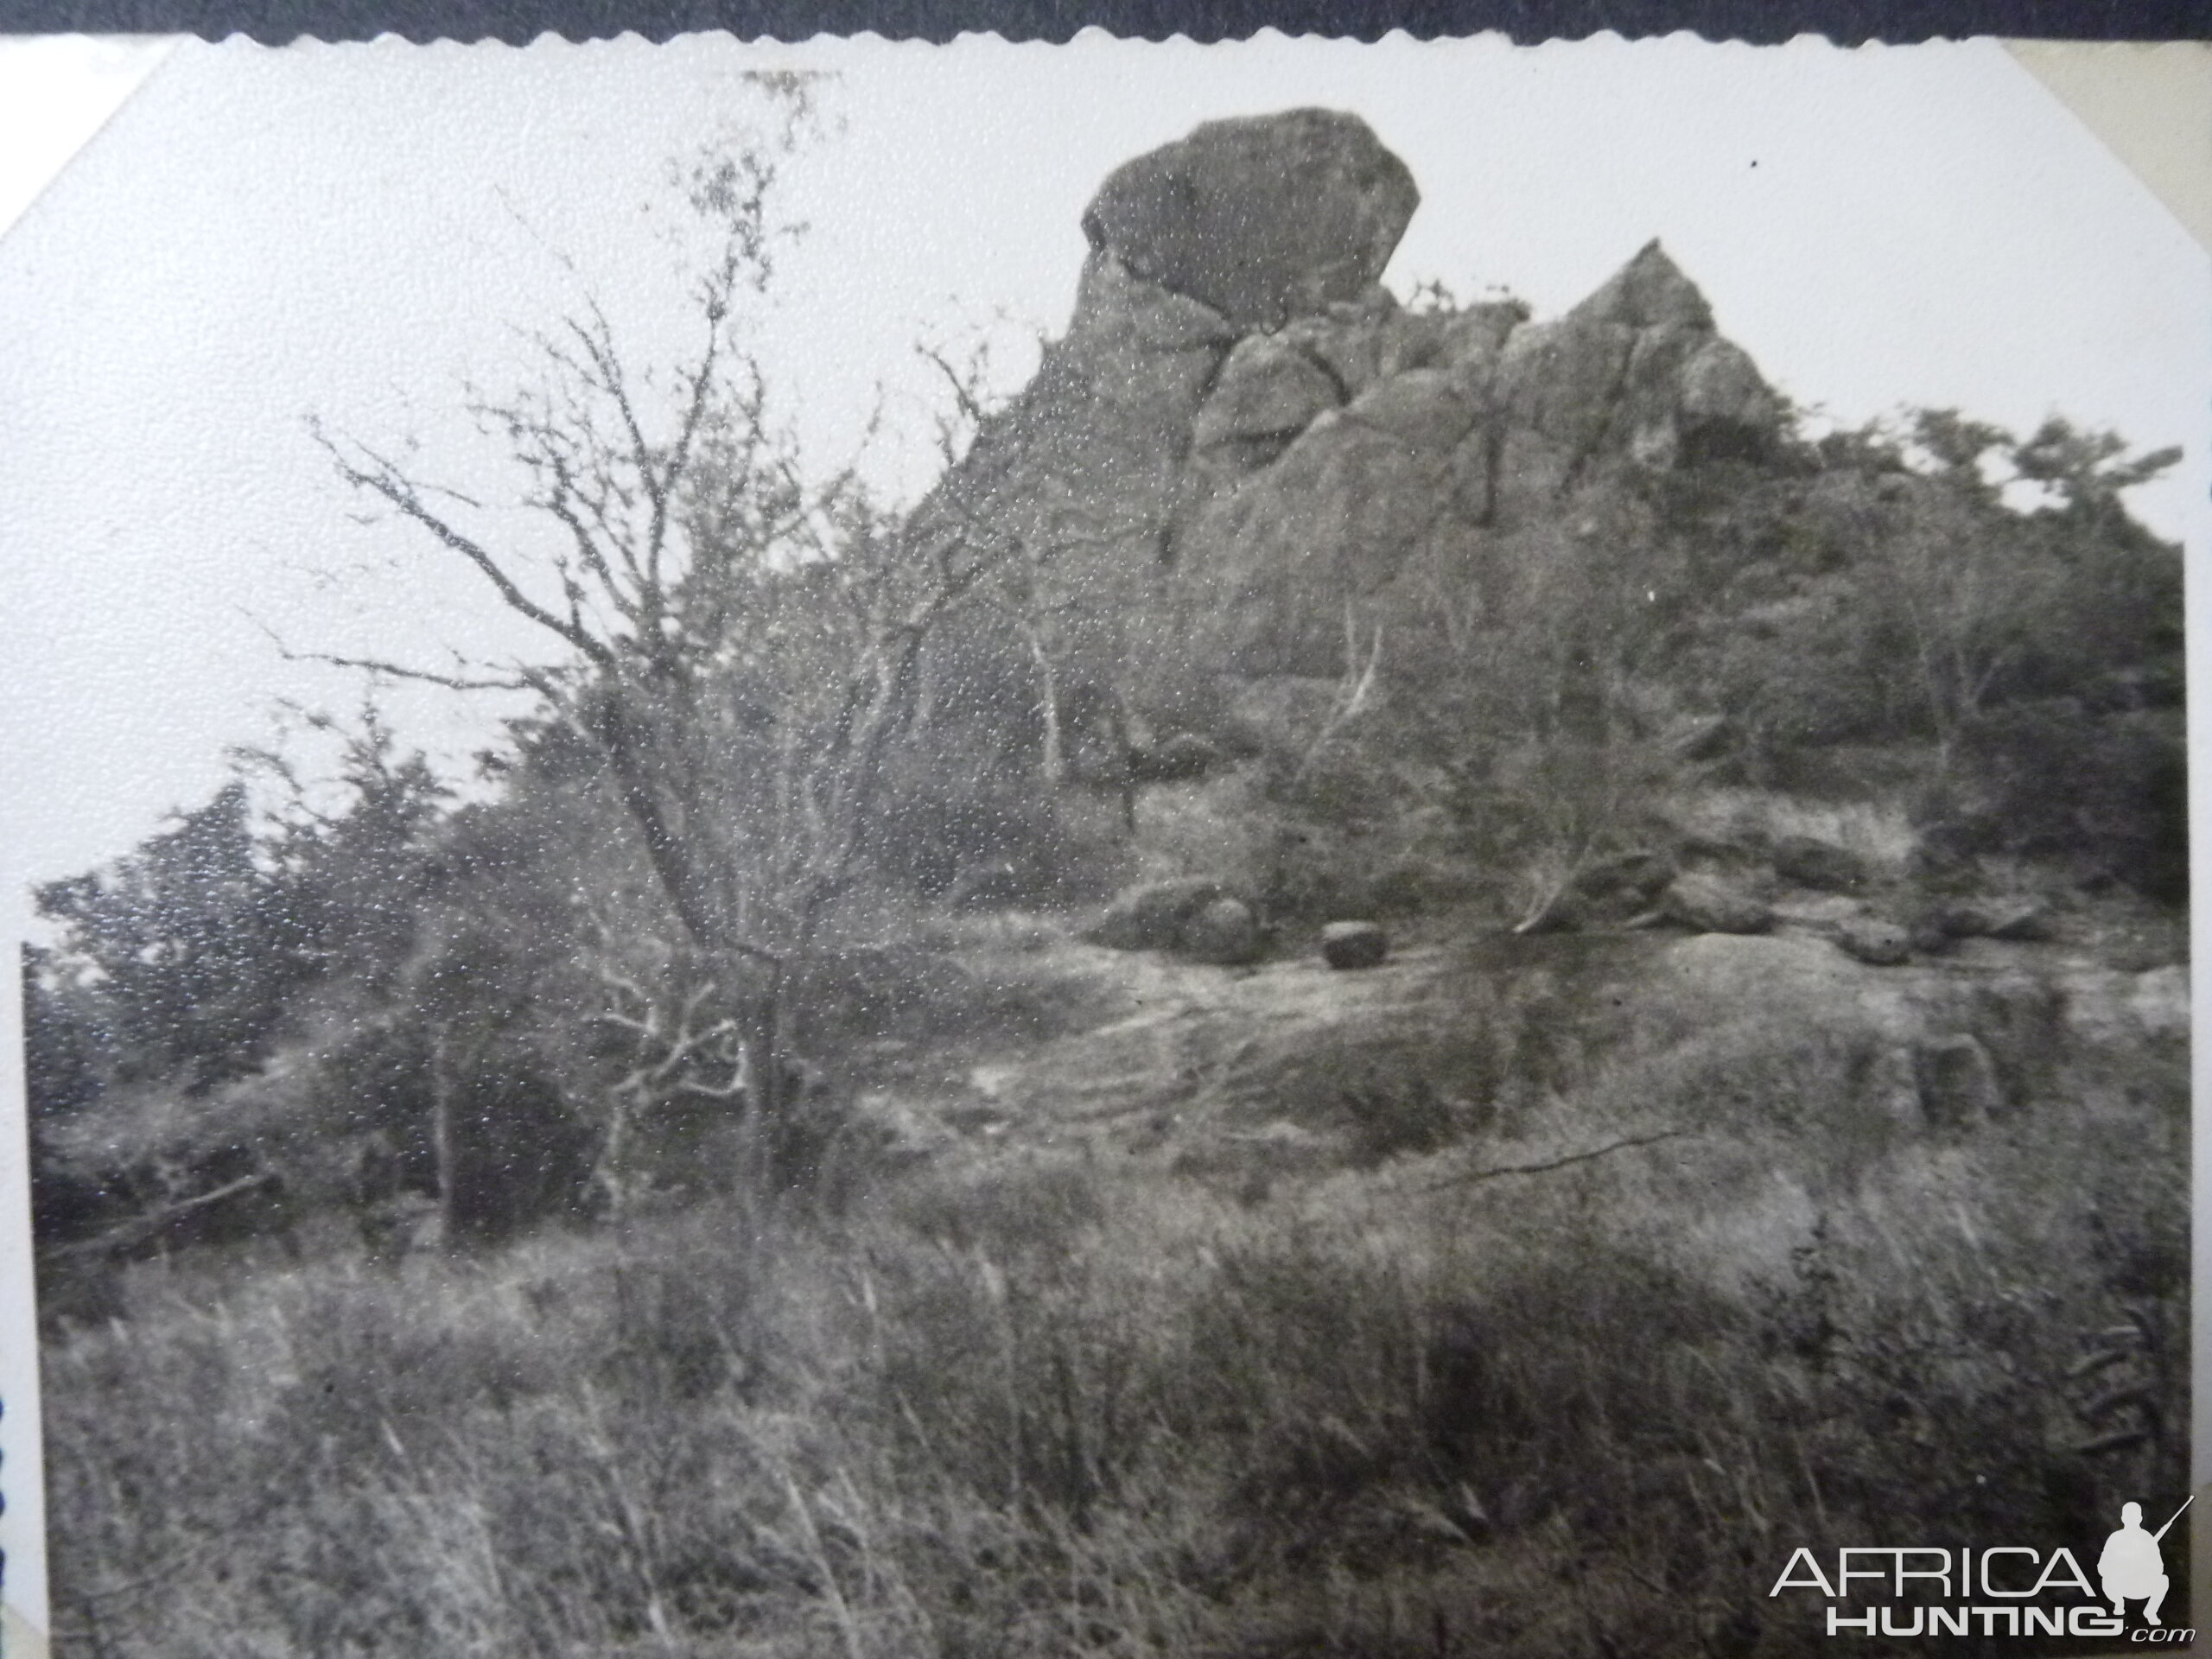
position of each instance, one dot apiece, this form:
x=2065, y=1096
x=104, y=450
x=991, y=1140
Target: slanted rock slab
x=1354, y=945
x=1712, y=905
x=2017, y=920
x=1269, y=392
x=1185, y=755
x=1811, y=862
x=1638, y=875
x=1154, y=916
x=1700, y=738
x=1941, y=926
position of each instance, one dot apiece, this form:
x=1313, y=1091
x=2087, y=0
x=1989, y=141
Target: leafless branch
x=517, y=682
x=1352, y=696
x=364, y=468
x=1471, y=1177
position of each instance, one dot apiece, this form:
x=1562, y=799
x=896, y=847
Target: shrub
x=2051, y=779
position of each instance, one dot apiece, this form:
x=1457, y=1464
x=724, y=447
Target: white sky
x=354, y=230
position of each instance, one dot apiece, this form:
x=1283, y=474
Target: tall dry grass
x=1041, y=1405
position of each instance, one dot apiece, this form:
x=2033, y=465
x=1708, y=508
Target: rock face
x=1426, y=436
x=1244, y=444
x=1269, y=392
x=1074, y=482
x=1262, y=218
x=1636, y=369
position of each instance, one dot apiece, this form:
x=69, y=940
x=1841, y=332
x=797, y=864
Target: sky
x=357, y=233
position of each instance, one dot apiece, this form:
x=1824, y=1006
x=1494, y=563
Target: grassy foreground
x=1033, y=1402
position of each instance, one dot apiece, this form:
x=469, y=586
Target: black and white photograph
x=872, y=850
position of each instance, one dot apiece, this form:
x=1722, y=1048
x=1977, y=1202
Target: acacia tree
x=1991, y=596
x=178, y=953
x=738, y=643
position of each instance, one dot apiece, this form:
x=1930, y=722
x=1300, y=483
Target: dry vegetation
x=1028, y=1402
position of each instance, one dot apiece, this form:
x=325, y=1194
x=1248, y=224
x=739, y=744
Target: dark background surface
x=517, y=20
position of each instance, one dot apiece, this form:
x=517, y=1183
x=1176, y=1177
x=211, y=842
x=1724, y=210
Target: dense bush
x=2107, y=793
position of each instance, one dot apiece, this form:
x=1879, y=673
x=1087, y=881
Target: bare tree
x=739, y=643
x=679, y=1049
x=1958, y=584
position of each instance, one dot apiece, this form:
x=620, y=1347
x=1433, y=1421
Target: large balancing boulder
x=1263, y=218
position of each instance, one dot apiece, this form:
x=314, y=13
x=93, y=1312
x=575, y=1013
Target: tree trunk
x=685, y=884
x=441, y=1133
x=611, y=1151
x=1055, y=758
x=768, y=1070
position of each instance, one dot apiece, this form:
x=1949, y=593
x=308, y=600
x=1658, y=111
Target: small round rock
x=1224, y=933
x=1883, y=943
x=1354, y=945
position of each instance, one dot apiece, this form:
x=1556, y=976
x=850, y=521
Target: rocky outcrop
x=1262, y=218
x=1434, y=433
x=1636, y=370
x=1242, y=440
x=1194, y=247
